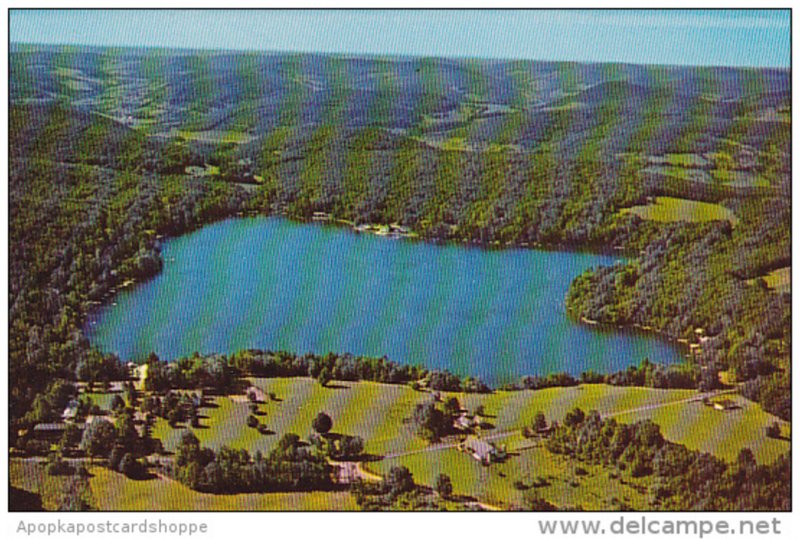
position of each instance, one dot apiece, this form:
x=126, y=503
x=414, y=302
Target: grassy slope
x=379, y=413
x=780, y=279
x=669, y=209
x=113, y=491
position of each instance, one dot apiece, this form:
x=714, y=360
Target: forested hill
x=685, y=169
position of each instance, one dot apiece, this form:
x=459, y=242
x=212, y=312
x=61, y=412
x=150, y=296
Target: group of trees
x=686, y=375
x=681, y=479
x=334, y=445
x=697, y=278
x=223, y=374
x=195, y=372
x=174, y=407
x=398, y=491
x=434, y=420
x=79, y=231
x=288, y=467
x=120, y=443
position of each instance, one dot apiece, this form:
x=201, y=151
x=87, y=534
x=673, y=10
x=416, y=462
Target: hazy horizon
x=720, y=38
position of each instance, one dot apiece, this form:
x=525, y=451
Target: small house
x=481, y=450
x=71, y=410
x=256, y=394
x=49, y=431
x=724, y=404
x=465, y=423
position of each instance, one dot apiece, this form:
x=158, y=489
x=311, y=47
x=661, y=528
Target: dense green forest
x=92, y=197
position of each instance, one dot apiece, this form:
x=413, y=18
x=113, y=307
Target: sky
x=756, y=38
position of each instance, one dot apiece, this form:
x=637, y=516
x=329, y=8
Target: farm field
x=669, y=209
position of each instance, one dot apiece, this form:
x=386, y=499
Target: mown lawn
x=113, y=491
x=103, y=400
x=373, y=411
x=669, y=209
x=381, y=413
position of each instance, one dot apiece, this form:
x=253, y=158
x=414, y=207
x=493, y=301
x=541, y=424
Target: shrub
x=774, y=431
x=59, y=466
x=322, y=423
x=444, y=486
x=131, y=467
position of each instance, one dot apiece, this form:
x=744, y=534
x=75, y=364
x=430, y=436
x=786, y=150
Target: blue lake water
x=275, y=284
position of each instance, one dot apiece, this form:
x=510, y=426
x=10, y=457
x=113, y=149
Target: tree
x=534, y=502
x=431, y=422
x=117, y=403
x=99, y=438
x=444, y=486
x=322, y=423
x=115, y=457
x=480, y=410
x=188, y=449
x=452, y=407
x=71, y=437
x=574, y=417
x=127, y=434
x=746, y=459
x=345, y=447
x=194, y=419
x=288, y=440
x=131, y=467
x=774, y=430
x=77, y=495
x=132, y=395
x=174, y=417
x=324, y=377
x=399, y=480
x=539, y=422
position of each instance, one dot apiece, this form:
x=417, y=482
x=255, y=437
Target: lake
x=274, y=284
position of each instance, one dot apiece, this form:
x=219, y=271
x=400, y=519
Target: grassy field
x=722, y=433
x=380, y=414
x=495, y=484
x=386, y=428
x=28, y=474
x=113, y=491
x=669, y=209
x=218, y=136
x=300, y=400
x=103, y=400
x=780, y=280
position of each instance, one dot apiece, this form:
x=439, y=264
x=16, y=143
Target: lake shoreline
x=466, y=273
